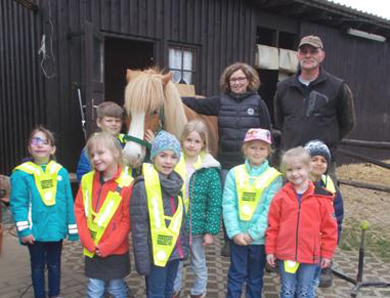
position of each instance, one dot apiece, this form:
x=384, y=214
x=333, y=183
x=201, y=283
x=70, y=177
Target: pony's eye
x=154, y=112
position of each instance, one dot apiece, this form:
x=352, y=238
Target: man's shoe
x=326, y=278
x=225, y=251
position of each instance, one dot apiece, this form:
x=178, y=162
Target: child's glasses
x=36, y=141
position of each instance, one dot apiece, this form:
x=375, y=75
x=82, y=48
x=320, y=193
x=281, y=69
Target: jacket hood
x=208, y=161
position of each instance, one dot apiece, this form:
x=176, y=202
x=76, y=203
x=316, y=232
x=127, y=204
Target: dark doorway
x=121, y=54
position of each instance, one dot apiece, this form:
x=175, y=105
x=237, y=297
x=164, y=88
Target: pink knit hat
x=258, y=134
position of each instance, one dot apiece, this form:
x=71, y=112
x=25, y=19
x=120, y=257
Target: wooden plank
x=124, y=16
x=151, y=18
x=115, y=14
x=365, y=185
x=364, y=158
x=367, y=144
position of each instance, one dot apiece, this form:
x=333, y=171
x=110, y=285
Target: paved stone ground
x=15, y=279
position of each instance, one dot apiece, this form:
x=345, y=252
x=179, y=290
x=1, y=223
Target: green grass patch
x=376, y=241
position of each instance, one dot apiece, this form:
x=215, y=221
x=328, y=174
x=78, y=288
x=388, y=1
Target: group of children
x=174, y=210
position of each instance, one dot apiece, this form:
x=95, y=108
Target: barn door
x=94, y=74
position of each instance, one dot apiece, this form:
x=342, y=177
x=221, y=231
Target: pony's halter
x=142, y=142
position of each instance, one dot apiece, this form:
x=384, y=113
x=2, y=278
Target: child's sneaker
x=197, y=296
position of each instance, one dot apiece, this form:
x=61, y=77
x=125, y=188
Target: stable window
x=182, y=64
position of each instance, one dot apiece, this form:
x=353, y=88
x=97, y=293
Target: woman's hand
x=239, y=239
x=28, y=239
x=271, y=260
x=208, y=239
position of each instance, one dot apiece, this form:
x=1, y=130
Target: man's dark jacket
x=236, y=114
x=323, y=110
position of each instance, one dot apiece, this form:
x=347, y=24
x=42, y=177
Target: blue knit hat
x=164, y=141
x=317, y=147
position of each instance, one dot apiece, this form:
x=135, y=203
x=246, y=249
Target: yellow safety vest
x=45, y=181
x=98, y=222
x=249, y=194
x=182, y=170
x=163, y=238
x=328, y=182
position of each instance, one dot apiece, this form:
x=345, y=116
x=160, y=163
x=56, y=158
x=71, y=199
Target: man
x=313, y=104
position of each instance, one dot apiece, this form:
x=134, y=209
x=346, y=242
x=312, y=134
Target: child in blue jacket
x=42, y=206
x=248, y=192
x=320, y=159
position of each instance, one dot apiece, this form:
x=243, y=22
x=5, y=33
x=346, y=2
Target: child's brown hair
x=48, y=134
x=109, y=109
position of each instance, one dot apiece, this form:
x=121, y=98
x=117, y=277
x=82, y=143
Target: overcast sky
x=377, y=7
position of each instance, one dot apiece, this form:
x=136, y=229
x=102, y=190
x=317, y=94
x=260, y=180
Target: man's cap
x=312, y=40
x=258, y=134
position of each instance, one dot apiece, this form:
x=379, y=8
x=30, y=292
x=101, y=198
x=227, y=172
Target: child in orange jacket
x=103, y=218
x=302, y=228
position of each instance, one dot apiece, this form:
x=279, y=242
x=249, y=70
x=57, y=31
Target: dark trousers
x=44, y=254
x=246, y=265
x=159, y=283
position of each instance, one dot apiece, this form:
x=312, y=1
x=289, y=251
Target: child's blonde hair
x=200, y=127
x=297, y=154
x=48, y=134
x=109, y=109
x=246, y=144
x=106, y=140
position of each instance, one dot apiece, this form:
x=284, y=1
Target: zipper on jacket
x=296, y=242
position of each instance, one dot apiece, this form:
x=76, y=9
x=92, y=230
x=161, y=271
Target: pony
x=152, y=101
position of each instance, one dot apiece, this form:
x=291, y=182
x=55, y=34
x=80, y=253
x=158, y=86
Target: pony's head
x=152, y=102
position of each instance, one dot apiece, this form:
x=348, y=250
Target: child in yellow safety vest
x=248, y=192
x=157, y=215
x=103, y=217
x=42, y=206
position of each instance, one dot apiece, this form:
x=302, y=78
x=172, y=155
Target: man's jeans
x=116, y=287
x=42, y=254
x=246, y=265
x=299, y=284
x=198, y=267
x=159, y=282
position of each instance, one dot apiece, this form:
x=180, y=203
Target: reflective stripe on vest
x=98, y=221
x=163, y=238
x=45, y=181
x=181, y=169
x=249, y=194
x=328, y=182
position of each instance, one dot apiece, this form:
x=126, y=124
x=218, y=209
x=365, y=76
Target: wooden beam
x=365, y=158
x=365, y=185
x=368, y=144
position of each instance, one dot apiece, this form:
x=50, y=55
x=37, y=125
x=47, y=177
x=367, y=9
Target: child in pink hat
x=248, y=192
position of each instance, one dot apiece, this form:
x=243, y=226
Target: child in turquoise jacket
x=42, y=206
x=248, y=192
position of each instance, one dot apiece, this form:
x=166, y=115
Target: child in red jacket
x=103, y=218
x=302, y=229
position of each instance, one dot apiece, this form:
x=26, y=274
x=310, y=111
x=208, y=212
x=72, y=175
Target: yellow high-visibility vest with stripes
x=45, y=181
x=98, y=221
x=163, y=237
x=249, y=194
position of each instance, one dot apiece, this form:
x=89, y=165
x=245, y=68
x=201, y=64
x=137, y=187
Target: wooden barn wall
x=22, y=103
x=221, y=30
x=365, y=66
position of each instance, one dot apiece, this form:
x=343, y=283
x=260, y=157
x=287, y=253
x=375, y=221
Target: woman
x=238, y=108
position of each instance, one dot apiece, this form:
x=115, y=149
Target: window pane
x=187, y=60
x=176, y=76
x=187, y=77
x=175, y=58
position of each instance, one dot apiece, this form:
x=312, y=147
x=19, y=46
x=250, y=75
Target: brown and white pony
x=152, y=101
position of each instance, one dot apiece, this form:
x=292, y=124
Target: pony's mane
x=146, y=93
